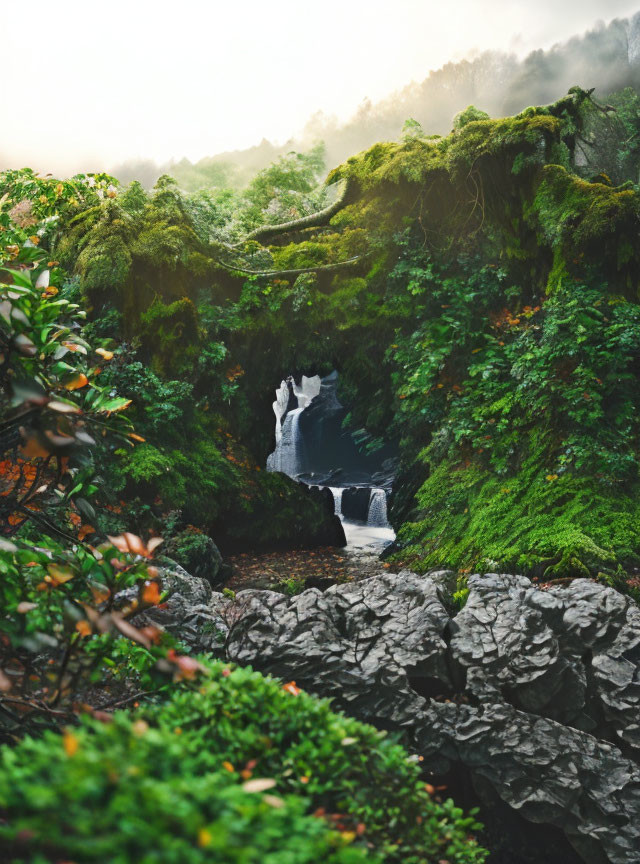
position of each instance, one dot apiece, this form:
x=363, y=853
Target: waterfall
x=337, y=500
x=287, y=457
x=307, y=391
x=280, y=408
x=377, y=515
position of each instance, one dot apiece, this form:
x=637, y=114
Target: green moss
x=532, y=522
x=469, y=115
x=170, y=335
x=588, y=225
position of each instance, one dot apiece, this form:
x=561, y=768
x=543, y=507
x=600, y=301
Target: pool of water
x=372, y=538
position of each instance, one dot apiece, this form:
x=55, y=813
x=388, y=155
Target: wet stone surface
x=294, y=571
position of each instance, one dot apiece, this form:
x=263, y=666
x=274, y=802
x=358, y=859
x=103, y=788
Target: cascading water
x=377, y=515
x=337, y=500
x=286, y=457
x=316, y=450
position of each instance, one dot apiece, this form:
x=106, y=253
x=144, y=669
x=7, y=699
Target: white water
x=377, y=514
x=308, y=390
x=367, y=536
x=287, y=457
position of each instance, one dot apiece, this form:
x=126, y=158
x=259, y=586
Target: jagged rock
x=189, y=612
x=570, y=655
x=548, y=772
x=446, y=580
x=535, y=693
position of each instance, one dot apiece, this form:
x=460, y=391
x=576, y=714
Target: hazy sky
x=88, y=84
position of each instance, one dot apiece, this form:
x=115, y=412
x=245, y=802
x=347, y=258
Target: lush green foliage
x=174, y=783
x=486, y=318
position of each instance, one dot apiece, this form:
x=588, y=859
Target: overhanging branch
x=319, y=268
x=313, y=220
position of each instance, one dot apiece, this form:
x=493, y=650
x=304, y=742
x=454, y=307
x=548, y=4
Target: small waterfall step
x=337, y=491
x=377, y=515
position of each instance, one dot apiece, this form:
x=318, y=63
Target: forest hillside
x=471, y=299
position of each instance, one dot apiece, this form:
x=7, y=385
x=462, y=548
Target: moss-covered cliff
x=479, y=296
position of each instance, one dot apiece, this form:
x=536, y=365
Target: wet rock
x=330, y=532
x=355, y=503
x=279, y=513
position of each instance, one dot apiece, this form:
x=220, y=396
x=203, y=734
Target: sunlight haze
x=167, y=80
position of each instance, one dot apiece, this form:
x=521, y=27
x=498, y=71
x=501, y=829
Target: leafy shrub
x=173, y=783
x=65, y=629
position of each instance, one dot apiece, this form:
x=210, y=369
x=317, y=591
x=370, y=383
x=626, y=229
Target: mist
x=187, y=90
x=606, y=57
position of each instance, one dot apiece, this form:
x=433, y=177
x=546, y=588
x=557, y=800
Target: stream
x=313, y=447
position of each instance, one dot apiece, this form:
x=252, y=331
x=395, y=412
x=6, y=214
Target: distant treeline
x=607, y=58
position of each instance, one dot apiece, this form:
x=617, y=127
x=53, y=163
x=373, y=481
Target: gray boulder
x=534, y=693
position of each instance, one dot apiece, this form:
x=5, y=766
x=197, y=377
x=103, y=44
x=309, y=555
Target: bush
x=174, y=783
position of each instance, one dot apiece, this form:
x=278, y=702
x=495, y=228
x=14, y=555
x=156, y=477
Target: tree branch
x=319, y=268
x=313, y=220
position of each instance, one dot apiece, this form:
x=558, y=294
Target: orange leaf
x=151, y=593
x=58, y=575
x=70, y=743
x=85, y=531
x=291, y=688
x=99, y=592
x=106, y=355
x=76, y=383
x=84, y=628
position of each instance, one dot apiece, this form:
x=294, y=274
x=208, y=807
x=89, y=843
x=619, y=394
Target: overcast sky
x=88, y=84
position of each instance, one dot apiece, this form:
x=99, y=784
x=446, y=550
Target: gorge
x=313, y=447
x=435, y=524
